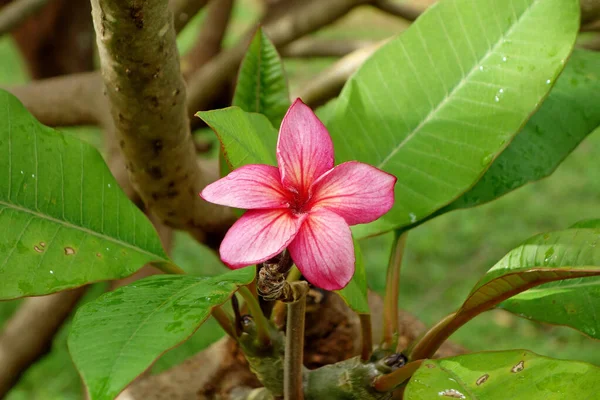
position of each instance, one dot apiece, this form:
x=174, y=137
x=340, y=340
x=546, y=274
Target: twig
x=328, y=84
x=28, y=334
x=392, y=292
x=16, y=12
x=140, y=68
x=294, y=346
x=205, y=84
x=405, y=11
x=211, y=36
x=310, y=47
x=184, y=11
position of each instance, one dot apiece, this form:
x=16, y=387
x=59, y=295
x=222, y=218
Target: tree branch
x=401, y=10
x=211, y=36
x=328, y=84
x=28, y=334
x=309, y=47
x=141, y=73
x=15, y=13
x=206, y=83
x=65, y=101
x=184, y=11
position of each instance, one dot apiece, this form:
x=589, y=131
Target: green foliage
x=65, y=220
x=437, y=116
x=570, y=257
x=246, y=138
x=567, y=116
x=262, y=86
x=118, y=336
x=570, y=302
x=515, y=374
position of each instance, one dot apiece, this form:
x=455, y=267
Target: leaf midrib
x=449, y=96
x=82, y=229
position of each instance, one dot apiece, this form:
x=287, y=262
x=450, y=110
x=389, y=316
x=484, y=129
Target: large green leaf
x=572, y=302
x=65, y=221
x=118, y=336
x=569, y=114
x=438, y=104
x=261, y=86
x=514, y=374
x=355, y=294
x=246, y=138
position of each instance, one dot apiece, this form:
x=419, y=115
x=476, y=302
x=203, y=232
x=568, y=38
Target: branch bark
x=141, y=73
x=15, y=13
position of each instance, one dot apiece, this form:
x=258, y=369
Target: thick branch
x=408, y=12
x=328, y=84
x=28, y=334
x=312, y=15
x=65, y=101
x=310, y=47
x=211, y=36
x=15, y=13
x=140, y=69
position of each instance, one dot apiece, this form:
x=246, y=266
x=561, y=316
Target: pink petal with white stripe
x=355, y=191
x=304, y=148
x=248, y=187
x=258, y=236
x=323, y=250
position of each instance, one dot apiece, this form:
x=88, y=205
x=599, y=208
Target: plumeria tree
x=474, y=100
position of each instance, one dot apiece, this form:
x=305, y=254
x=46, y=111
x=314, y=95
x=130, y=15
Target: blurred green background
x=444, y=257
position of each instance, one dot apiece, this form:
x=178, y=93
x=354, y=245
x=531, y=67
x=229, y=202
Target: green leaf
x=514, y=374
x=246, y=138
x=438, y=104
x=65, y=221
x=573, y=302
x=563, y=255
x=569, y=114
x=261, y=86
x=118, y=336
x=355, y=294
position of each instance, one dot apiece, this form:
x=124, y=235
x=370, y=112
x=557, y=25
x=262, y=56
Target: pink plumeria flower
x=306, y=204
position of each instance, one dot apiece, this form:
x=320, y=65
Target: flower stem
x=262, y=325
x=391, y=381
x=367, y=336
x=433, y=339
x=224, y=320
x=294, y=344
x=392, y=292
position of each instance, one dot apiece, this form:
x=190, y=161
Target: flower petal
x=259, y=235
x=323, y=250
x=355, y=191
x=249, y=187
x=304, y=148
